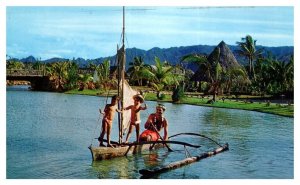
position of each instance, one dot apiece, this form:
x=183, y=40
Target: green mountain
x=173, y=55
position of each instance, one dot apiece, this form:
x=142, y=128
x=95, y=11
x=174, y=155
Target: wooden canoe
x=103, y=153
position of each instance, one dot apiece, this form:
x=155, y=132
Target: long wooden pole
x=123, y=72
x=149, y=173
x=119, y=93
x=169, y=149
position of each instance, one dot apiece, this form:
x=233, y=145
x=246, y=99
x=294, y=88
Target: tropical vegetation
x=218, y=74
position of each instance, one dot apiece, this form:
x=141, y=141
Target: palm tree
x=235, y=77
x=215, y=71
x=14, y=64
x=136, y=71
x=275, y=76
x=103, y=72
x=72, y=75
x=160, y=76
x=248, y=50
x=263, y=74
x=58, y=73
x=212, y=70
x=282, y=74
x=91, y=65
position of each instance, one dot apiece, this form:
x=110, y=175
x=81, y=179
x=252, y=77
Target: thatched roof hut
x=227, y=60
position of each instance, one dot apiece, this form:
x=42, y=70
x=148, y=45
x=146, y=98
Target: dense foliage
x=263, y=75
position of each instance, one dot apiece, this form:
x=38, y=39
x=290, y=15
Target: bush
x=161, y=96
x=178, y=94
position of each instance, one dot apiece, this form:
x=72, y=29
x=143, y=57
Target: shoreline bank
x=241, y=104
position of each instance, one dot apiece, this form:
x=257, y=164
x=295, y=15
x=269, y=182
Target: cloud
x=95, y=31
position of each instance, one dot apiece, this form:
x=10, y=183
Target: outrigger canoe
x=126, y=93
x=103, y=153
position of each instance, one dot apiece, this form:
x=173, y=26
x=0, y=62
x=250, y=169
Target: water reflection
x=151, y=159
x=128, y=167
x=114, y=168
x=19, y=88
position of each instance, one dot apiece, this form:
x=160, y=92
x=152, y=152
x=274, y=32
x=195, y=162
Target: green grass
x=282, y=110
x=92, y=92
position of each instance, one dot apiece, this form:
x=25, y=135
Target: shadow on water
x=18, y=88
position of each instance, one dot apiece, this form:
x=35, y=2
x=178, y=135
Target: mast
x=119, y=90
x=122, y=74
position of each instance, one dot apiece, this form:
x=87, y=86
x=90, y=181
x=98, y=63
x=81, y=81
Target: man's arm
x=166, y=130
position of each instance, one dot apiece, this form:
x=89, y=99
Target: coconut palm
x=248, y=50
x=160, y=76
x=103, y=72
x=58, y=73
x=136, y=70
x=72, y=75
x=275, y=76
x=282, y=74
x=91, y=65
x=211, y=70
x=14, y=64
x=263, y=74
x=235, y=77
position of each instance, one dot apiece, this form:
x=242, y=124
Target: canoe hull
x=103, y=153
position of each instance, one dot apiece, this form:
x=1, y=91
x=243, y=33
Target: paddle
x=169, y=149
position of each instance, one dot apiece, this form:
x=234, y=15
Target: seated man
x=156, y=121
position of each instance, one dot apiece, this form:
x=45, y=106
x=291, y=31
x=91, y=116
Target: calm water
x=48, y=135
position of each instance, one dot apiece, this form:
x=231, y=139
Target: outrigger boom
x=155, y=142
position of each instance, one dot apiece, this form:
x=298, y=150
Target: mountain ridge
x=173, y=54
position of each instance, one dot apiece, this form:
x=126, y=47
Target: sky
x=93, y=32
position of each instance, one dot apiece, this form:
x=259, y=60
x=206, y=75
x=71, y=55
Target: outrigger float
x=150, y=173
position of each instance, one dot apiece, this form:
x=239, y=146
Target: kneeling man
x=156, y=121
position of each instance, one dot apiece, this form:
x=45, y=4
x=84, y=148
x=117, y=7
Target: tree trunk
x=250, y=68
x=214, y=96
x=158, y=94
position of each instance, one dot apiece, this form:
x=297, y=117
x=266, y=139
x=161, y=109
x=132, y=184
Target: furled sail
x=128, y=94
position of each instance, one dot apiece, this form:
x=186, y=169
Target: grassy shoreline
x=281, y=110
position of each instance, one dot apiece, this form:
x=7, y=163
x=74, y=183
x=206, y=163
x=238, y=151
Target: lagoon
x=48, y=135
